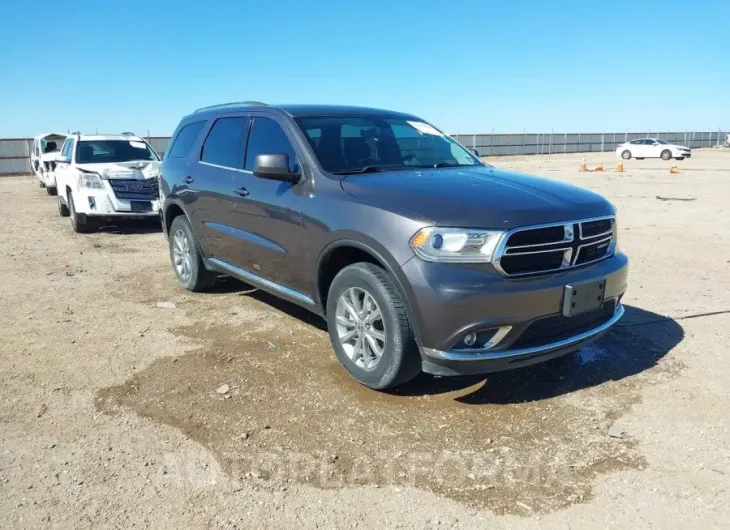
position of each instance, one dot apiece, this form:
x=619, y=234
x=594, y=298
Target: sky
x=469, y=66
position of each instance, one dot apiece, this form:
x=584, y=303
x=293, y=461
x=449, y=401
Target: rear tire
x=80, y=222
x=379, y=312
x=680, y=158
x=666, y=154
x=626, y=155
x=186, y=258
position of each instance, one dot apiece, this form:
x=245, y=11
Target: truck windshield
x=111, y=151
x=362, y=144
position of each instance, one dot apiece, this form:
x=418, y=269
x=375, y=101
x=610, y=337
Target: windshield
x=360, y=144
x=663, y=142
x=110, y=151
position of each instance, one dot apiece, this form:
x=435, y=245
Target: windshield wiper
x=368, y=169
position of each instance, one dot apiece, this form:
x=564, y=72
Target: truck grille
x=549, y=248
x=559, y=327
x=135, y=190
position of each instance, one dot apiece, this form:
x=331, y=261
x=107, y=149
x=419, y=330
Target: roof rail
x=250, y=103
x=128, y=134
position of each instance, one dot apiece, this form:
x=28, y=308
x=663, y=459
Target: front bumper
x=447, y=301
x=100, y=203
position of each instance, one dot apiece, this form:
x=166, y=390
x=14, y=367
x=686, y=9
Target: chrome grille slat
x=577, y=236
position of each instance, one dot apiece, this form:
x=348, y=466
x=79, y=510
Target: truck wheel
x=62, y=208
x=51, y=190
x=666, y=154
x=80, y=223
x=626, y=155
x=369, y=328
x=187, y=260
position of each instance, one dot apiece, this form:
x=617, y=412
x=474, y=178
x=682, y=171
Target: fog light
x=470, y=339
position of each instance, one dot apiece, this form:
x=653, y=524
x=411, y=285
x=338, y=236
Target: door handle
x=188, y=180
x=243, y=192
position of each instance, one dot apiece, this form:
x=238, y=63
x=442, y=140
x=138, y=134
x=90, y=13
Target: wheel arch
x=343, y=252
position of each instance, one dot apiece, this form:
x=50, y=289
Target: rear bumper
x=448, y=301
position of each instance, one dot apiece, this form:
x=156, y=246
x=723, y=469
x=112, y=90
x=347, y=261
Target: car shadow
x=634, y=345
x=131, y=227
x=228, y=285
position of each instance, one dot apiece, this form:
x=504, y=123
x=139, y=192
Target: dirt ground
x=126, y=401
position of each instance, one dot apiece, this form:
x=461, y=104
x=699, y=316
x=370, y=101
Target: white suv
x=100, y=177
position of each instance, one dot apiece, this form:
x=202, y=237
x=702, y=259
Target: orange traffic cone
x=582, y=165
x=674, y=170
x=620, y=167
x=599, y=167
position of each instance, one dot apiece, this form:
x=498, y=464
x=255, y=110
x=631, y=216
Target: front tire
x=626, y=155
x=80, y=222
x=62, y=209
x=187, y=260
x=51, y=190
x=41, y=184
x=369, y=328
x=666, y=154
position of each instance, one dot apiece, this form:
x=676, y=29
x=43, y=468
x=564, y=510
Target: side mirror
x=275, y=167
x=61, y=159
x=475, y=153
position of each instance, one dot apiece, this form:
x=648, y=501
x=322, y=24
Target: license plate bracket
x=141, y=206
x=582, y=297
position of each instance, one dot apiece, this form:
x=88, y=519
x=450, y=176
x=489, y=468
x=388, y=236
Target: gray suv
x=420, y=256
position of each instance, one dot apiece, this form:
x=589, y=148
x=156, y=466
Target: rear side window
x=224, y=144
x=185, y=139
x=268, y=138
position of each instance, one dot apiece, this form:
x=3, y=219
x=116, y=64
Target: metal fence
x=15, y=152
x=554, y=143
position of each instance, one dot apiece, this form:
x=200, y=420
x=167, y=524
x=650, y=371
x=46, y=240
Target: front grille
x=532, y=263
x=596, y=228
x=559, y=327
x=542, y=249
x=537, y=236
x=135, y=190
x=592, y=252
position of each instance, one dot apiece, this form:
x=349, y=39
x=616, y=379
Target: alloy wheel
x=360, y=327
x=182, y=256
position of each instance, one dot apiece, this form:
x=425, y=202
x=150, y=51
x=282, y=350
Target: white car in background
x=43, y=154
x=652, y=148
x=104, y=177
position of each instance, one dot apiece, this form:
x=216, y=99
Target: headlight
x=455, y=245
x=90, y=180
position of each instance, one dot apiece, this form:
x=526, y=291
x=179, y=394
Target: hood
x=478, y=197
x=136, y=169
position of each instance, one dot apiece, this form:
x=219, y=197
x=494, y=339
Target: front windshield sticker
x=138, y=145
x=424, y=128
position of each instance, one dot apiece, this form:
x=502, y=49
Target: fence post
x=578, y=148
x=491, y=143
x=550, y=145
x=565, y=143
x=603, y=138
x=524, y=131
